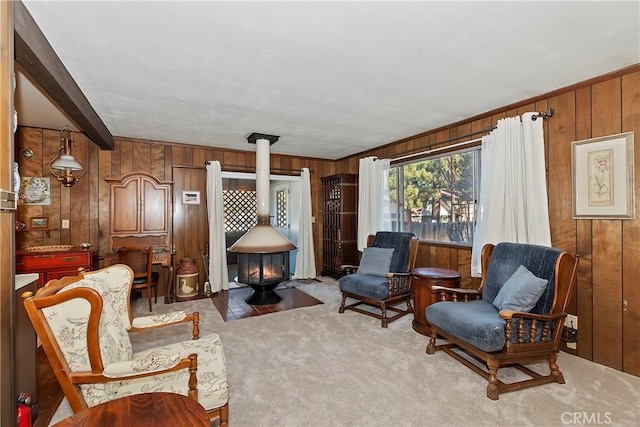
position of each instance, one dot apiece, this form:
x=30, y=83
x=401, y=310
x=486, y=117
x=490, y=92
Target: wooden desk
x=423, y=279
x=162, y=258
x=148, y=409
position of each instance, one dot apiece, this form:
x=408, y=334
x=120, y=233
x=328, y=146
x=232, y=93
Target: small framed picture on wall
x=190, y=197
x=39, y=223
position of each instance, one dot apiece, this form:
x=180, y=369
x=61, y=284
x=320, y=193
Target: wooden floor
x=231, y=306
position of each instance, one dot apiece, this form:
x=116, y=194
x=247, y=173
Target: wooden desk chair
x=140, y=259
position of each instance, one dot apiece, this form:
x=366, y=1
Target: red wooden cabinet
x=54, y=265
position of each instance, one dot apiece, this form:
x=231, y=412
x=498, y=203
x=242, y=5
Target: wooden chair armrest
x=523, y=330
x=390, y=275
x=349, y=269
x=509, y=314
x=398, y=283
x=345, y=266
x=193, y=317
x=96, y=378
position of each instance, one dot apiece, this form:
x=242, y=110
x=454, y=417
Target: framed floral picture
x=34, y=191
x=603, y=177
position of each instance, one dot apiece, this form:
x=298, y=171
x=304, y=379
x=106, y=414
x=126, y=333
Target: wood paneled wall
x=86, y=204
x=609, y=250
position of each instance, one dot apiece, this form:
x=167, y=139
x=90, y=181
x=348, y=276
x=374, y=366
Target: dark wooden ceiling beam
x=38, y=59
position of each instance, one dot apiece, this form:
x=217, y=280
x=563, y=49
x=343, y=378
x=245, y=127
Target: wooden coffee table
x=148, y=409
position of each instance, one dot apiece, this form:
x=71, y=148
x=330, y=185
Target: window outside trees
x=435, y=198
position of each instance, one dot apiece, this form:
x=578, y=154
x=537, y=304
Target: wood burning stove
x=263, y=272
x=263, y=252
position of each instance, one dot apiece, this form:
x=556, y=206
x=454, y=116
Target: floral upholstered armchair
x=515, y=318
x=84, y=328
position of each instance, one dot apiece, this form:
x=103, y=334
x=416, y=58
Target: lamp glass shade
x=66, y=161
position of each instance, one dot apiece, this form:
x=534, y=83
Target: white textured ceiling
x=331, y=78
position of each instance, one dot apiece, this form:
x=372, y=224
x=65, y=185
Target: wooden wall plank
x=584, y=289
x=199, y=157
x=60, y=196
x=104, y=202
x=141, y=161
x=464, y=268
x=606, y=119
x=631, y=235
x=78, y=196
x=229, y=161
x=188, y=156
x=443, y=257
x=93, y=174
x=126, y=157
x=560, y=134
x=115, y=160
x=584, y=283
x=607, y=293
x=168, y=162
x=157, y=167
x=178, y=155
x=31, y=139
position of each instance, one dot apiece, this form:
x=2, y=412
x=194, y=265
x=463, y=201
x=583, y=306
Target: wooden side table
x=423, y=279
x=147, y=409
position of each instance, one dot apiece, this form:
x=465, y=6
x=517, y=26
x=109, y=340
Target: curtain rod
x=544, y=114
x=451, y=147
x=252, y=168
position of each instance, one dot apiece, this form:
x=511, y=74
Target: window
x=435, y=198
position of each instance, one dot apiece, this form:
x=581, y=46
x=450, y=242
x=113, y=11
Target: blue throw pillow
x=520, y=292
x=375, y=261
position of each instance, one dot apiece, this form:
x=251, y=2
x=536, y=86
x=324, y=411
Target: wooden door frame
x=7, y=235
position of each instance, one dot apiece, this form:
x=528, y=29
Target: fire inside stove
x=263, y=272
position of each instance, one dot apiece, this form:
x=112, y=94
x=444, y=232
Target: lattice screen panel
x=240, y=207
x=281, y=209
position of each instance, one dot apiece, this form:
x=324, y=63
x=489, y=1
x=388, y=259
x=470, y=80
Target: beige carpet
x=312, y=366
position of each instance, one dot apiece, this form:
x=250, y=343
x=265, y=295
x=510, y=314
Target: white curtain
x=373, y=198
x=305, y=260
x=218, y=275
x=513, y=204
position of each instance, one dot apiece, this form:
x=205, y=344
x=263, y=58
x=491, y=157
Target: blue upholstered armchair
x=515, y=317
x=383, y=278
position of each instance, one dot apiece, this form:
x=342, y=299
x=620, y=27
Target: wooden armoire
x=140, y=211
x=339, y=223
x=140, y=215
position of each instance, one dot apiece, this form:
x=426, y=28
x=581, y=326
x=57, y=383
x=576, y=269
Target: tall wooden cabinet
x=141, y=216
x=140, y=211
x=339, y=222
